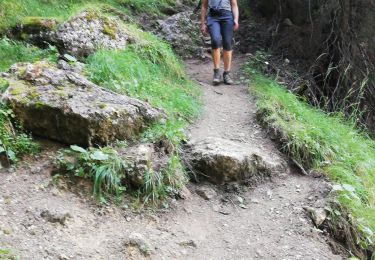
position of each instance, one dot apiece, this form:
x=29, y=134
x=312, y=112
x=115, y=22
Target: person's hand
x=204, y=29
x=236, y=26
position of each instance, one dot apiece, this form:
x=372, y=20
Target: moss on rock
x=4, y=84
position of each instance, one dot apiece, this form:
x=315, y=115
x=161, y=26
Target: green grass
x=326, y=143
x=12, y=52
x=149, y=70
x=6, y=254
x=12, y=12
x=13, y=141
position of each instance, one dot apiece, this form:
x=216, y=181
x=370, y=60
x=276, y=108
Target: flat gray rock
x=221, y=160
x=63, y=105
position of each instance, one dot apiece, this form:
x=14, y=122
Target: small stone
x=189, y=243
x=255, y=201
x=318, y=216
x=206, y=193
x=184, y=193
x=63, y=257
x=136, y=239
x=55, y=216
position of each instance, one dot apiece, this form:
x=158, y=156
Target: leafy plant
x=13, y=141
x=259, y=62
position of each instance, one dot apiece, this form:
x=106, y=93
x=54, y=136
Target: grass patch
x=12, y=12
x=107, y=170
x=149, y=70
x=12, y=52
x=6, y=254
x=13, y=141
x=326, y=143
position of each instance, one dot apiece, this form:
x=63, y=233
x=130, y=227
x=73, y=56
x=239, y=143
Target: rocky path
x=41, y=221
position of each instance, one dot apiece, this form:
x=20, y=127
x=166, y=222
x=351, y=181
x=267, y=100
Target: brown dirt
x=270, y=225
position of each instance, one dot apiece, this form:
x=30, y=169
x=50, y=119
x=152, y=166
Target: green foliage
x=12, y=12
x=327, y=143
x=101, y=165
x=159, y=185
x=107, y=171
x=147, y=6
x=13, y=142
x=6, y=254
x=149, y=70
x=259, y=62
x=12, y=52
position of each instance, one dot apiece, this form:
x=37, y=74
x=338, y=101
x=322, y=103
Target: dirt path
x=273, y=224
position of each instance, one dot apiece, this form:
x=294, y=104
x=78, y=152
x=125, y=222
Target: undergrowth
x=328, y=144
x=13, y=141
x=12, y=12
x=107, y=170
x=148, y=70
x=12, y=52
x=6, y=254
x=101, y=165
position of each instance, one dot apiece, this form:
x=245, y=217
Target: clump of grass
x=107, y=171
x=11, y=12
x=12, y=52
x=147, y=6
x=169, y=181
x=6, y=254
x=13, y=141
x=326, y=143
x=103, y=166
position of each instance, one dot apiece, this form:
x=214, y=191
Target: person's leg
x=216, y=41
x=216, y=58
x=226, y=27
x=227, y=58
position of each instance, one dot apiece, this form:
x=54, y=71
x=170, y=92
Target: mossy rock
x=37, y=24
x=4, y=84
x=64, y=106
x=36, y=30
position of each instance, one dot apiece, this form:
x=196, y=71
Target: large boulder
x=220, y=160
x=83, y=34
x=63, y=105
x=80, y=36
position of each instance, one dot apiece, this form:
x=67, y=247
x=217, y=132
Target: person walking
x=219, y=18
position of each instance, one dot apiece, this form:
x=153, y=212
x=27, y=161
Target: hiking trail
x=273, y=225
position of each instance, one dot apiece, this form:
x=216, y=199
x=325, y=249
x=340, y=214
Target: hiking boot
x=227, y=79
x=217, y=77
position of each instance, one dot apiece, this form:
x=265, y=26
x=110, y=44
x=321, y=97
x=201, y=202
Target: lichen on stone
x=4, y=84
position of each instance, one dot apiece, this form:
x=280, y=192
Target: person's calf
x=227, y=58
x=216, y=56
